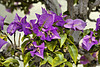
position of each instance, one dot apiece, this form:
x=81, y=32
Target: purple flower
x=78, y=24
x=59, y=20
x=44, y=11
x=89, y=41
x=46, y=20
x=2, y=42
x=69, y=23
x=19, y=24
x=98, y=24
x=26, y=28
x=12, y=28
x=42, y=34
x=8, y=10
x=38, y=50
x=2, y=22
x=84, y=60
x=34, y=26
x=51, y=33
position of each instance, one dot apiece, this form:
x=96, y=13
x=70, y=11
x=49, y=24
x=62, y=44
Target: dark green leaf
x=69, y=64
x=59, y=59
x=73, y=52
x=27, y=58
x=6, y=24
x=51, y=45
x=43, y=61
x=62, y=65
x=11, y=61
x=99, y=57
x=24, y=45
x=24, y=37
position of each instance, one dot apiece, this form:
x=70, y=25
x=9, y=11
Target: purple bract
x=89, y=41
x=38, y=50
x=2, y=42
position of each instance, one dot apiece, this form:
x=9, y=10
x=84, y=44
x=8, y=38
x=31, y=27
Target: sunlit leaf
x=59, y=59
x=63, y=39
x=73, y=52
x=50, y=60
x=27, y=58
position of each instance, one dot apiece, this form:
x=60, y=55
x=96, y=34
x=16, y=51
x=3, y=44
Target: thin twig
x=8, y=38
x=14, y=40
x=19, y=40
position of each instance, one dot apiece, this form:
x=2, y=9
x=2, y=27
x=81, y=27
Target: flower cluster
x=38, y=50
x=76, y=24
x=89, y=41
x=45, y=27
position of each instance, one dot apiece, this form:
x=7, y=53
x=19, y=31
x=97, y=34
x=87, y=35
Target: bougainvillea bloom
x=69, y=23
x=34, y=26
x=2, y=42
x=59, y=20
x=26, y=28
x=89, y=41
x=38, y=50
x=19, y=24
x=78, y=24
x=1, y=22
x=12, y=28
x=84, y=60
x=46, y=20
x=98, y=24
x=51, y=33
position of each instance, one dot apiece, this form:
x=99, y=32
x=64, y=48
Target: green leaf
x=63, y=39
x=24, y=37
x=99, y=57
x=75, y=1
x=51, y=45
x=11, y=61
x=27, y=58
x=50, y=60
x=24, y=45
x=62, y=65
x=43, y=61
x=59, y=59
x=6, y=24
x=69, y=64
x=73, y=52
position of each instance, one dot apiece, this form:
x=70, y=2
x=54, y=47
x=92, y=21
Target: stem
x=14, y=40
x=19, y=40
x=8, y=38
